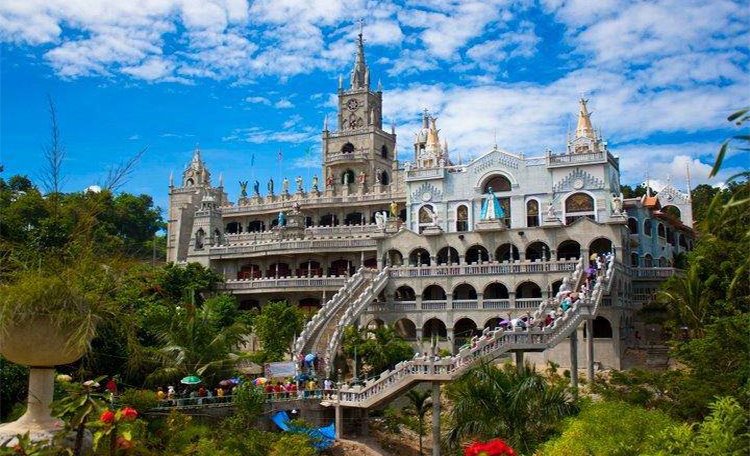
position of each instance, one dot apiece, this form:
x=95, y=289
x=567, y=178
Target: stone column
x=574, y=360
x=435, y=419
x=519, y=360
x=339, y=421
x=512, y=299
x=365, y=417
x=590, y=351
x=480, y=300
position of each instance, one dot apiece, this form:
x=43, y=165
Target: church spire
x=360, y=73
x=584, y=128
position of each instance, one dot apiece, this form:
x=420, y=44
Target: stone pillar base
x=37, y=420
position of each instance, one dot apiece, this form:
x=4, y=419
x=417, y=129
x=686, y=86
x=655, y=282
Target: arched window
x=633, y=225
x=600, y=246
x=347, y=148
x=329, y=220
x=419, y=257
x=234, y=228
x=602, y=328
x=341, y=267
x=462, y=218
x=579, y=205
x=463, y=330
x=496, y=290
x=384, y=178
x=634, y=260
x=309, y=269
x=647, y=228
x=217, y=236
x=532, y=213
x=477, y=254
x=537, y=251
x=190, y=182
x=384, y=151
x=199, y=237
x=447, y=255
x=433, y=293
x=404, y=293
x=434, y=328
x=662, y=262
x=568, y=250
x=507, y=252
x=347, y=177
x=648, y=261
x=528, y=290
x=662, y=232
x=353, y=218
x=277, y=270
x=498, y=183
x=394, y=258
x=425, y=219
x=464, y=291
x=249, y=271
x=406, y=329
x=256, y=226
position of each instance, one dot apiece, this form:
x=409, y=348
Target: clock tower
x=359, y=148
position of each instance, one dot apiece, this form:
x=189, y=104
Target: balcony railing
x=564, y=159
x=285, y=282
x=496, y=304
x=654, y=273
x=434, y=305
x=309, y=244
x=389, y=193
x=494, y=268
x=416, y=174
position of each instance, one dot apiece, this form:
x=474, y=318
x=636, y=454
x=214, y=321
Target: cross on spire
x=360, y=73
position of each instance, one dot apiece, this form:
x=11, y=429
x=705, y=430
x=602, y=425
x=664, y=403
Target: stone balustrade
x=489, y=268
x=285, y=282
x=355, y=194
x=306, y=245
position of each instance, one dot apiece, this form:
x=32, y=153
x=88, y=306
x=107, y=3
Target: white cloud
x=153, y=68
x=284, y=103
x=258, y=100
x=256, y=135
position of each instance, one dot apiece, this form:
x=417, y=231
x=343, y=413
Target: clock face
x=352, y=104
x=426, y=196
x=578, y=184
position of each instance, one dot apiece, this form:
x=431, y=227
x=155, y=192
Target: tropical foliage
x=518, y=405
x=276, y=326
x=419, y=405
x=377, y=348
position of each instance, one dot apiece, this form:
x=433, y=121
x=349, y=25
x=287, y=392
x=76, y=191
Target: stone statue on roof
x=270, y=187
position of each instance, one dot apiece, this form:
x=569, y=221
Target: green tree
x=688, y=297
x=276, y=326
x=517, y=405
x=419, y=405
x=377, y=349
x=609, y=429
x=197, y=343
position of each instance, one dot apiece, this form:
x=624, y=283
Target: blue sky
x=243, y=78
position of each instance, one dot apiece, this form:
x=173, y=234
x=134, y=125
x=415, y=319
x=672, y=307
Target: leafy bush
x=140, y=400
x=292, y=445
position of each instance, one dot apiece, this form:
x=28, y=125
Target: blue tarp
x=322, y=438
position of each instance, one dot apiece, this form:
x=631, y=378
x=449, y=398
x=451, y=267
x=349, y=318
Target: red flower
x=494, y=447
x=108, y=417
x=128, y=414
x=123, y=443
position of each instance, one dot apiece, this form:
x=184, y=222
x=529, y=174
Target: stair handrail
x=353, y=312
x=327, y=310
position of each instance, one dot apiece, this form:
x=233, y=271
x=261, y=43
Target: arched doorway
x=249, y=271
x=234, y=228
x=309, y=268
x=495, y=290
x=329, y=220
x=394, y=258
x=341, y=267
x=463, y=330
x=433, y=293
x=404, y=293
x=602, y=328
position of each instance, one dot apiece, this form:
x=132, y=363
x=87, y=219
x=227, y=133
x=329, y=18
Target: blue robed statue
x=491, y=209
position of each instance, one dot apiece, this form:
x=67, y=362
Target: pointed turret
x=361, y=73
x=584, y=128
x=196, y=172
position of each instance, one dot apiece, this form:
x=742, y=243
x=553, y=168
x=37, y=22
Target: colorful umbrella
x=190, y=380
x=260, y=381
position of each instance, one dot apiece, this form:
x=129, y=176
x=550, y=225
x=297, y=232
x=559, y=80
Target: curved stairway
x=325, y=330
x=493, y=344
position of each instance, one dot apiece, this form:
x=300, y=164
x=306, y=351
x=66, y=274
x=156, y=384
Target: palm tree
x=518, y=405
x=688, y=297
x=420, y=402
x=198, y=342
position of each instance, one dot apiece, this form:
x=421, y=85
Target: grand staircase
x=493, y=344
